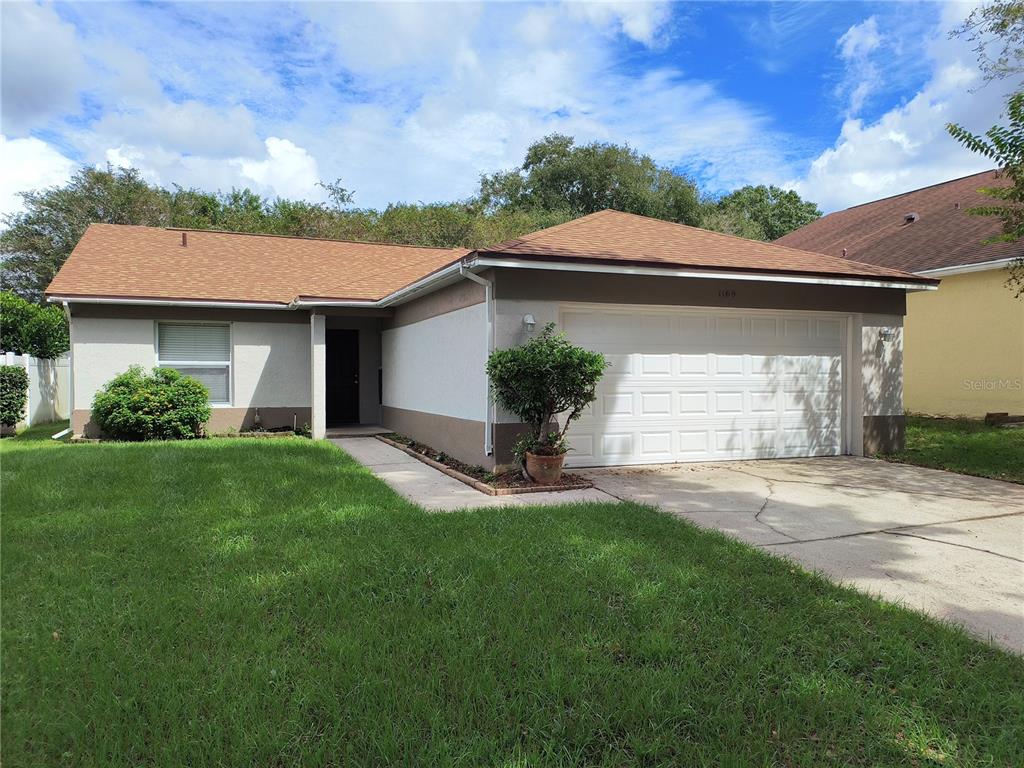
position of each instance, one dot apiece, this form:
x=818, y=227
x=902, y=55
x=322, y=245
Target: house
x=963, y=344
x=719, y=347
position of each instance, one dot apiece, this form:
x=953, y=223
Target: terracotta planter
x=544, y=470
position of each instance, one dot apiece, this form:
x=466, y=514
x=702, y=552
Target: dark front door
x=342, y=377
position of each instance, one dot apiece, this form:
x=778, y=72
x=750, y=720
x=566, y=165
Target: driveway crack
x=866, y=487
x=764, y=506
x=953, y=544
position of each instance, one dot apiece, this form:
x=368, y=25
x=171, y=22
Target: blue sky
x=844, y=102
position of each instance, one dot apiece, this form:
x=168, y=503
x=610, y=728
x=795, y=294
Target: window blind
x=191, y=343
x=199, y=350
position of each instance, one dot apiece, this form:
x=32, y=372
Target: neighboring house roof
x=119, y=261
x=885, y=233
x=614, y=237
x=131, y=262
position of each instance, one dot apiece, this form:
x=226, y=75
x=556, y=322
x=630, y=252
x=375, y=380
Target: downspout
x=489, y=311
x=71, y=378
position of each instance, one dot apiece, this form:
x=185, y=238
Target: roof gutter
x=168, y=302
x=710, y=274
x=963, y=269
x=448, y=274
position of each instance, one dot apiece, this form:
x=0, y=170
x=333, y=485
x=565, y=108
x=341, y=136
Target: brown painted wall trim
x=461, y=438
x=221, y=419
x=460, y=295
x=694, y=292
x=884, y=434
x=212, y=314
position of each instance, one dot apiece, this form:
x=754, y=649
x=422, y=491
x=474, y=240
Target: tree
x=1004, y=145
x=28, y=329
x=770, y=211
x=558, y=176
x=38, y=241
x=997, y=30
x=541, y=379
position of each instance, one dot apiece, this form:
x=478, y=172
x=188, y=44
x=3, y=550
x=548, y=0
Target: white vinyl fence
x=47, y=387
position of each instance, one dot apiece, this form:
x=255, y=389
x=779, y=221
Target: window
x=199, y=350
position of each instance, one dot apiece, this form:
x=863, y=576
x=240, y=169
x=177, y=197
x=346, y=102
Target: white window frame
x=229, y=363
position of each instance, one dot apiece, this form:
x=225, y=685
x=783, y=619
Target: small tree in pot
x=537, y=381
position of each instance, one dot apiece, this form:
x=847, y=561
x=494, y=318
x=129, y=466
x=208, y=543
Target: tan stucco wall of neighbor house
x=965, y=347
x=269, y=371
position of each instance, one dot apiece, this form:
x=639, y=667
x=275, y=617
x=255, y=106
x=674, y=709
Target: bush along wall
x=13, y=394
x=162, y=405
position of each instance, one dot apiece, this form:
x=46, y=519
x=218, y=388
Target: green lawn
x=271, y=603
x=964, y=445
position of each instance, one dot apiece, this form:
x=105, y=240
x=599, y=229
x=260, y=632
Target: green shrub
x=28, y=329
x=13, y=394
x=545, y=377
x=163, y=405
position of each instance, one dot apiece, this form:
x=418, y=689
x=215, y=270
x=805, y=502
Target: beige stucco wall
x=878, y=422
x=436, y=365
x=965, y=347
x=270, y=364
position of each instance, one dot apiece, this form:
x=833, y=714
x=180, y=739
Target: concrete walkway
x=435, y=490
x=949, y=545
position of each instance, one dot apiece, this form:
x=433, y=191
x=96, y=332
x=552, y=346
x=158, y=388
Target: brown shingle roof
x=148, y=262
x=944, y=235
x=131, y=262
x=615, y=237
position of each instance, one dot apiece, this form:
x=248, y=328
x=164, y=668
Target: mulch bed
x=499, y=484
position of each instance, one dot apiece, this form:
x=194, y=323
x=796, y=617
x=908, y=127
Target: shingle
x=151, y=263
x=148, y=262
x=943, y=235
x=615, y=237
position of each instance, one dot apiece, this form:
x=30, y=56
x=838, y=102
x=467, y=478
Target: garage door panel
x=691, y=385
x=656, y=403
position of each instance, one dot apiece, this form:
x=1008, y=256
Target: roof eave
x=62, y=297
x=567, y=264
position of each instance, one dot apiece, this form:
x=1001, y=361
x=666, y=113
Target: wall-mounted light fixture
x=529, y=322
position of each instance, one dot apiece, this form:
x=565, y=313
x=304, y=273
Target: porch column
x=318, y=373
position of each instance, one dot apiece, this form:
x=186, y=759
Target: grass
x=271, y=603
x=964, y=445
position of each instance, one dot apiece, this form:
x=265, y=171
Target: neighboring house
x=963, y=344
x=720, y=347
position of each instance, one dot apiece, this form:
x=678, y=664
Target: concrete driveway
x=949, y=545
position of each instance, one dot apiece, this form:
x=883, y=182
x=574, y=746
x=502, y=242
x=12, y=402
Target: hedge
x=13, y=394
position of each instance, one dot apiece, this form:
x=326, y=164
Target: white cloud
x=189, y=128
x=288, y=170
x=29, y=164
x=908, y=147
x=860, y=40
x=855, y=48
x=42, y=66
x=640, y=21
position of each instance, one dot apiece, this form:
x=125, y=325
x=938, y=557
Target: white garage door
x=707, y=385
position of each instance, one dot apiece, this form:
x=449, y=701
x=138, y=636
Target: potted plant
x=538, y=381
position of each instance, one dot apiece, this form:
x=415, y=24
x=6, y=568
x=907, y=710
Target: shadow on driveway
x=949, y=545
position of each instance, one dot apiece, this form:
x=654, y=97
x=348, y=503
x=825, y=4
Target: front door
x=342, y=377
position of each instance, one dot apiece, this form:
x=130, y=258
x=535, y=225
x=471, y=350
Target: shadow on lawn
x=286, y=600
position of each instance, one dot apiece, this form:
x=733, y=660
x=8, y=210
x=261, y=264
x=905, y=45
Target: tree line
x=558, y=180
